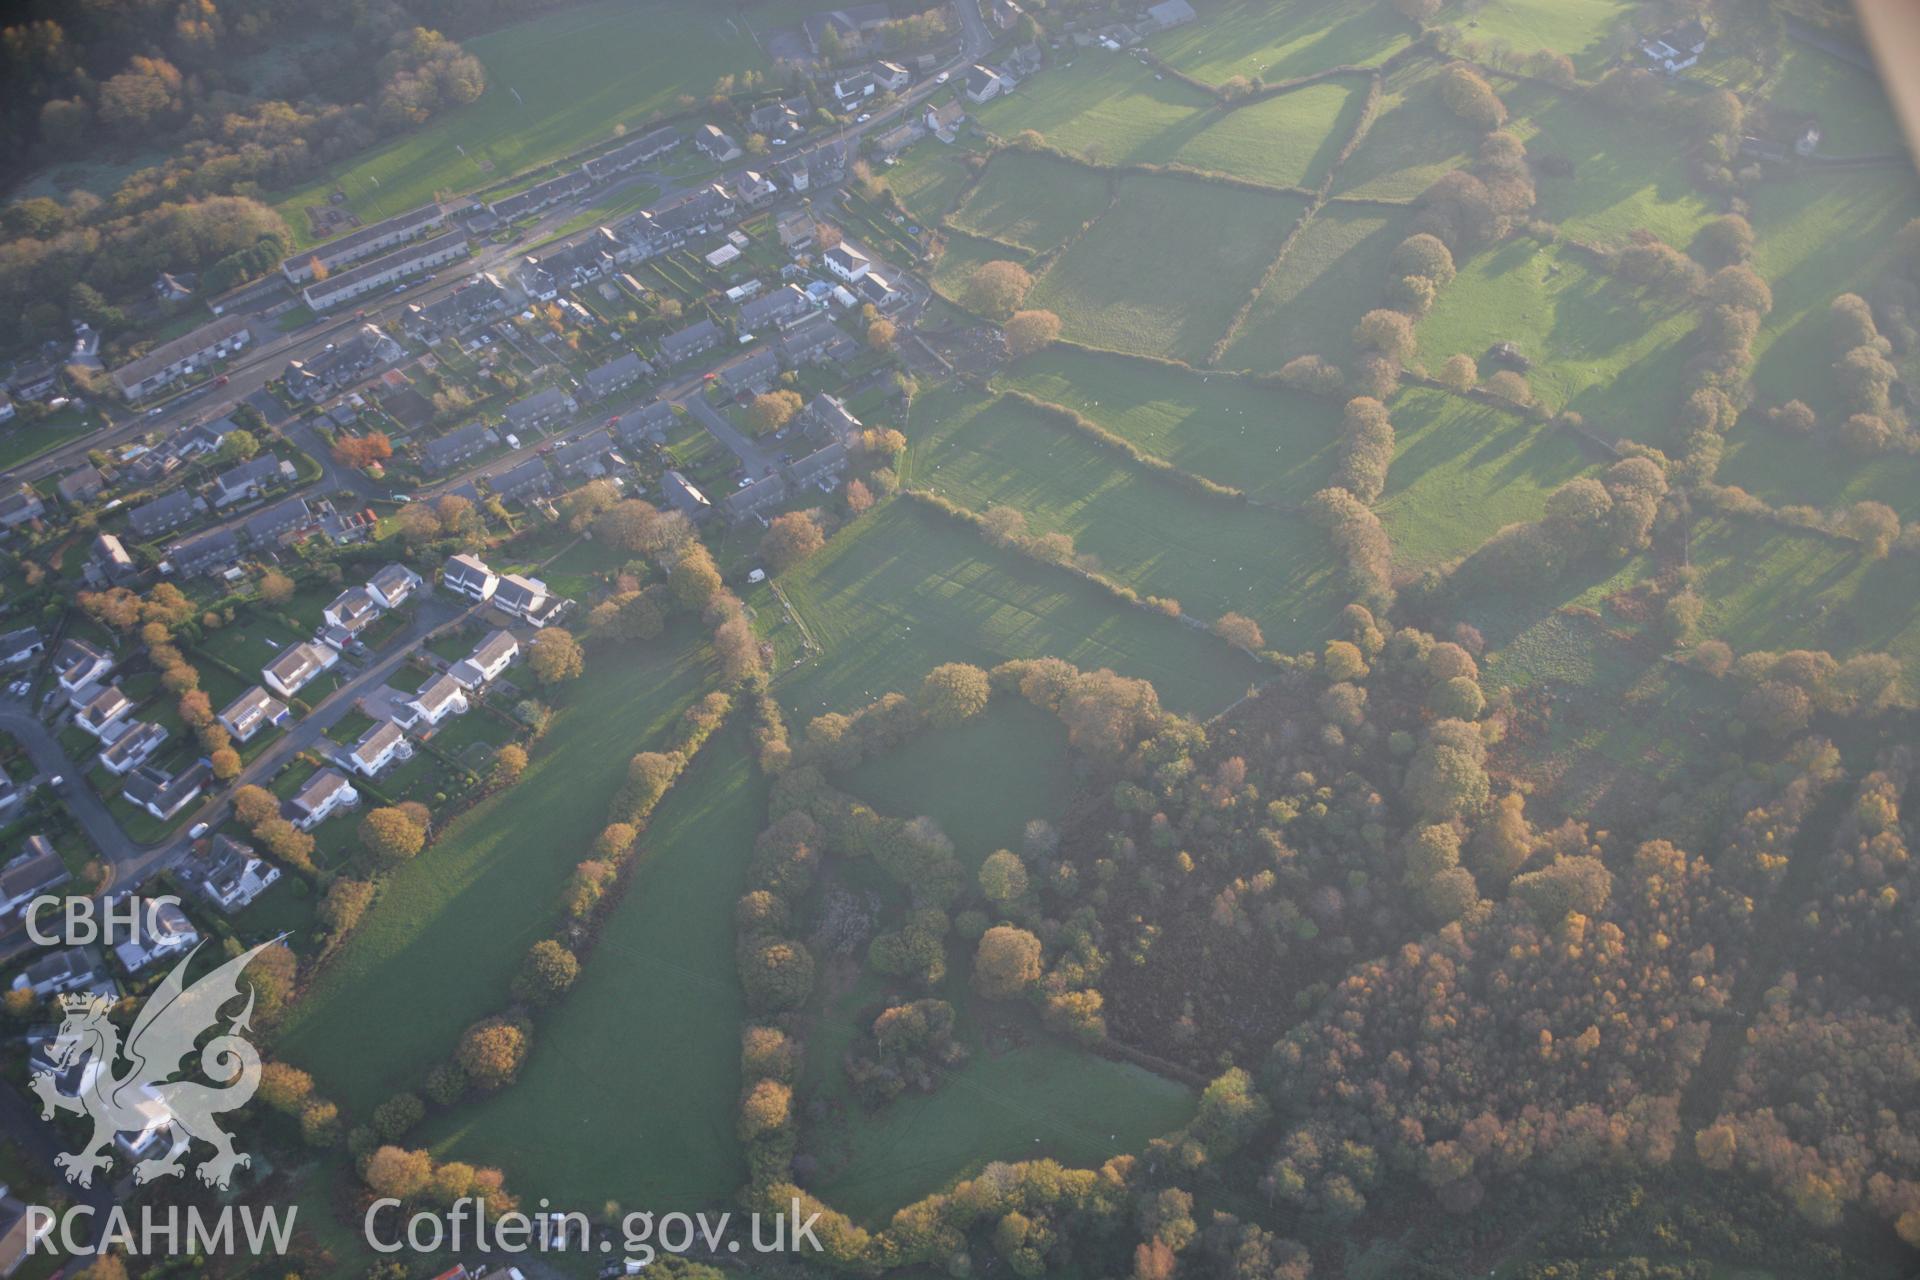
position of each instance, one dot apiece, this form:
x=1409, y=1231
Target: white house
x=133, y=748
x=393, y=585
x=230, y=876
x=847, y=262
x=296, y=667
x=489, y=658
x=442, y=697
x=77, y=665
x=251, y=712
x=379, y=747
x=102, y=712
x=328, y=792
x=351, y=610
x=159, y=930
x=36, y=870
x=469, y=576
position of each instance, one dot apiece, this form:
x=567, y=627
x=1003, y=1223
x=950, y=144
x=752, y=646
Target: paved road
x=123, y=857
x=40, y=1142
x=756, y=460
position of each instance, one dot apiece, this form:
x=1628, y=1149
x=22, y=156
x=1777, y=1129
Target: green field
x=1102, y=105
x=1032, y=200
x=437, y=949
x=1334, y=272
x=1287, y=141
x=905, y=589
x=1252, y=38
x=1816, y=471
x=1164, y=271
x=961, y=254
x=1414, y=139
x=631, y=1087
x=1598, y=347
x=1577, y=28
x=928, y=178
x=578, y=73
x=980, y=781
x=1462, y=471
x=1276, y=445
x=1160, y=539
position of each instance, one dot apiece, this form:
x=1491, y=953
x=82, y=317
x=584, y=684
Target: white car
x=943, y=77
x=862, y=118
x=513, y=441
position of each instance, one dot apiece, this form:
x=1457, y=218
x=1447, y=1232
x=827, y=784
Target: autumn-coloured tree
x=491, y=1052
x=773, y=410
x=276, y=588
x=1006, y=963
x=997, y=288
x=1238, y=629
x=391, y=835
x=555, y=656
x=951, y=693
x=1031, y=331
x=791, y=538
x=362, y=451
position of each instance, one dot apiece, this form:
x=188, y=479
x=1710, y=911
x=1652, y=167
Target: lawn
x=1462, y=471
x=1031, y=200
x=960, y=254
x=1276, y=445
x=1577, y=28
x=1102, y=105
x=1286, y=141
x=981, y=781
x=1334, y=273
x=555, y=83
x=1142, y=530
x=928, y=178
x=1164, y=271
x=23, y=441
x=905, y=589
x=1255, y=38
x=1599, y=347
x=484, y=891
x=657, y=1002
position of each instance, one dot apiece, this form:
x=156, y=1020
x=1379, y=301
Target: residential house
x=847, y=262
x=339, y=365
x=525, y=480
x=393, y=585
x=456, y=446
x=821, y=464
x=649, y=422
x=249, y=479
x=944, y=122
x=683, y=497
x=796, y=229
x=845, y=29
x=79, y=665
x=795, y=172
x=229, y=874
x=297, y=666
x=110, y=558
x=323, y=295
x=251, y=712
x=162, y=515
x=205, y=553
x=440, y=698
x=540, y=196
x=469, y=576
x=877, y=289
x=676, y=348
x=528, y=599
x=756, y=372
x=891, y=76
x=899, y=137
x=982, y=84
x=539, y=409
x=781, y=307
x=81, y=486
x=785, y=119
x=35, y=870
x=278, y=520
x=853, y=89
x=18, y=646
x=162, y=794
x=762, y=494
x=648, y=146
x=363, y=243
x=73, y=969
x=489, y=658
x=160, y=930
x=103, y=713
x=191, y=353
x=616, y=375
x=815, y=338
x=20, y=504
x=534, y=280
x=352, y=611
x=133, y=748
x=585, y=458
x=1677, y=48
x=753, y=188
x=326, y=793
x=379, y=747
x=715, y=143
x=481, y=298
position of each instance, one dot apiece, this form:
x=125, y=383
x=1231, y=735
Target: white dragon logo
x=141, y=1100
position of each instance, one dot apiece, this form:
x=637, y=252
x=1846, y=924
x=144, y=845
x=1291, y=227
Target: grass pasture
x=577, y=75
x=1286, y=141
x=1213, y=556
x=1816, y=471
x=1276, y=445
x=960, y=254
x=657, y=1001
x=1102, y=105
x=483, y=892
x=928, y=179
x=906, y=589
x=1462, y=471
x=1598, y=347
x=1164, y=271
x=1414, y=139
x=1253, y=38
x=1031, y=200
x=1577, y=28
x=1334, y=273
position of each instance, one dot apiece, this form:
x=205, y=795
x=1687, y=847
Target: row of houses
x=184, y=356
x=363, y=243
x=340, y=364
x=425, y=255
x=516, y=595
